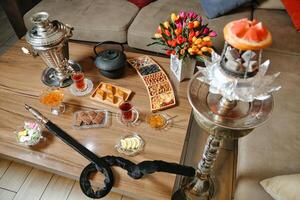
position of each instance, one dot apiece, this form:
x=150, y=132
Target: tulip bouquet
x=185, y=35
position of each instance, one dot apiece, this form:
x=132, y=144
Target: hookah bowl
x=49, y=40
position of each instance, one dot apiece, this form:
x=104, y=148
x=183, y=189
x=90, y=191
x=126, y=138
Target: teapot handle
x=107, y=42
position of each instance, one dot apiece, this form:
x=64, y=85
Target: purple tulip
x=212, y=34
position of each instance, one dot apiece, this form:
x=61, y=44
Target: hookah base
x=51, y=79
x=195, y=189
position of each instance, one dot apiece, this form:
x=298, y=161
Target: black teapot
x=111, y=62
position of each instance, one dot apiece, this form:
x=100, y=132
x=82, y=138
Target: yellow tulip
x=191, y=51
x=194, y=39
x=206, y=39
x=166, y=24
x=182, y=51
x=198, y=41
x=210, y=50
x=194, y=47
x=196, y=24
x=204, y=49
x=157, y=35
x=199, y=53
x=174, y=17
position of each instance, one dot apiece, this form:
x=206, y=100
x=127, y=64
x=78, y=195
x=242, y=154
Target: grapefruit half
x=244, y=34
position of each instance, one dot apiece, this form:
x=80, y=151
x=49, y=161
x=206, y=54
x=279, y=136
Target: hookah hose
x=104, y=164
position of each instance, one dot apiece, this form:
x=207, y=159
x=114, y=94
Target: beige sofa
x=272, y=149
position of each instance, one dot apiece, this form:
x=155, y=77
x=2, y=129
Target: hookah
x=230, y=97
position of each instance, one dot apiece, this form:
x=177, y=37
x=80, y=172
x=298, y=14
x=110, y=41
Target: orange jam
x=156, y=121
x=52, y=98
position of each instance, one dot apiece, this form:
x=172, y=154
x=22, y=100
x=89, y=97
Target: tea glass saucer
x=89, y=87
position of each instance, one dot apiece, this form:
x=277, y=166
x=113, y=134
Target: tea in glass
x=79, y=81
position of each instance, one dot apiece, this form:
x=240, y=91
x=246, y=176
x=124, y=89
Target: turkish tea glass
x=126, y=112
x=78, y=79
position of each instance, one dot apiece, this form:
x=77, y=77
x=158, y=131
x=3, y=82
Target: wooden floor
x=21, y=182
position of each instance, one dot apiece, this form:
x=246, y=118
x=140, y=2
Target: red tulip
x=168, y=52
x=192, y=33
x=178, y=31
x=158, y=29
x=173, y=43
x=180, y=39
x=167, y=32
x=191, y=25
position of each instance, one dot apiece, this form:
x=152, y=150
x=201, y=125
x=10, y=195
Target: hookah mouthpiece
x=41, y=118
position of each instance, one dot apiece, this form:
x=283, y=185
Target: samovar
x=230, y=97
x=49, y=40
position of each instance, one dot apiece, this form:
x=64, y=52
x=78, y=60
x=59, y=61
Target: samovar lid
x=46, y=32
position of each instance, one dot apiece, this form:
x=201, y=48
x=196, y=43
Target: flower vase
x=182, y=69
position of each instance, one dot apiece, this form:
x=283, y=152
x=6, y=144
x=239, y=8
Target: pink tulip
x=199, y=18
x=192, y=15
x=182, y=14
x=212, y=34
x=179, y=25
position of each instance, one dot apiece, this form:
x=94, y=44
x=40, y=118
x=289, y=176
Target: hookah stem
x=210, y=154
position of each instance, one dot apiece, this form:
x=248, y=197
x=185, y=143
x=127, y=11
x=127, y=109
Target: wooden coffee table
x=20, y=83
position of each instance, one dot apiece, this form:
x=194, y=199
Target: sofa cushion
x=274, y=148
x=293, y=7
x=140, y=3
x=146, y=22
x=283, y=187
x=285, y=37
x=217, y=8
x=93, y=20
x=270, y=4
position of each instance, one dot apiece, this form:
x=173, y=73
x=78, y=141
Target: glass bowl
x=30, y=134
x=53, y=98
x=130, y=145
x=158, y=121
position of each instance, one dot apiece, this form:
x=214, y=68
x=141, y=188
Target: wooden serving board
x=158, y=85
x=113, y=91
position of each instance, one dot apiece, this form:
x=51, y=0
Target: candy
x=30, y=134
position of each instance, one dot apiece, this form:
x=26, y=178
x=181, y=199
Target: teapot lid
x=110, y=60
x=46, y=32
x=109, y=54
